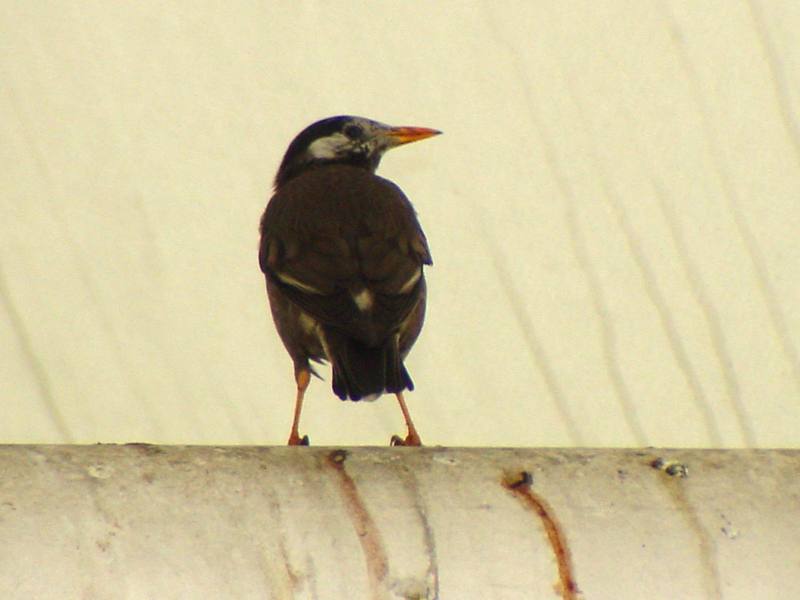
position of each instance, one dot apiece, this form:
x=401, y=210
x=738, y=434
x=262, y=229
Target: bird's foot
x=412, y=439
x=296, y=440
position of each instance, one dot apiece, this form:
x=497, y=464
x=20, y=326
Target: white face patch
x=363, y=299
x=329, y=147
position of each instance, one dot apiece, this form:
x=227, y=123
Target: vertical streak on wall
x=607, y=331
x=769, y=296
x=651, y=287
x=104, y=321
x=38, y=370
x=527, y=328
x=710, y=313
x=536, y=348
x=715, y=330
x=778, y=78
x=621, y=391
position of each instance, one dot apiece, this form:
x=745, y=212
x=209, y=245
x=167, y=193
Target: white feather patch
x=363, y=299
x=288, y=279
x=307, y=323
x=411, y=282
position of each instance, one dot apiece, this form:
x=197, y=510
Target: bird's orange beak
x=405, y=135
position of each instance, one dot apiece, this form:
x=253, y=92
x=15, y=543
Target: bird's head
x=344, y=140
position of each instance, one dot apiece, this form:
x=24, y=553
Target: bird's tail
x=361, y=371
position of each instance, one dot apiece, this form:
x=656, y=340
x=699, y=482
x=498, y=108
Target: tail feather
x=360, y=371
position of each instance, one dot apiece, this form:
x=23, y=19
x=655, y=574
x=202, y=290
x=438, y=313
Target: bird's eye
x=354, y=132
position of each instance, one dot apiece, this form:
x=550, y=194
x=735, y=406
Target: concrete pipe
x=140, y=521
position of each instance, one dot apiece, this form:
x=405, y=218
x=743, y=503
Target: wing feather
x=334, y=231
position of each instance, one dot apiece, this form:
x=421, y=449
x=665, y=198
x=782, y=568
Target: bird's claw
x=296, y=440
x=412, y=439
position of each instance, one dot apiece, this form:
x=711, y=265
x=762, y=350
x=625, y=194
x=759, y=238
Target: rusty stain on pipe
x=676, y=472
x=410, y=480
x=369, y=535
x=294, y=578
x=311, y=577
x=519, y=484
x=280, y=576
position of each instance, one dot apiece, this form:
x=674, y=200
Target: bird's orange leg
x=302, y=377
x=412, y=439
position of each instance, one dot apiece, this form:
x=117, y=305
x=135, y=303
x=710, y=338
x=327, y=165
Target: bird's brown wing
x=333, y=231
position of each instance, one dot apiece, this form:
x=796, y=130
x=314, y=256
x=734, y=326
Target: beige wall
x=613, y=213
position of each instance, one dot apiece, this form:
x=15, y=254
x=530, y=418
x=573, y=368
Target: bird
x=343, y=253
